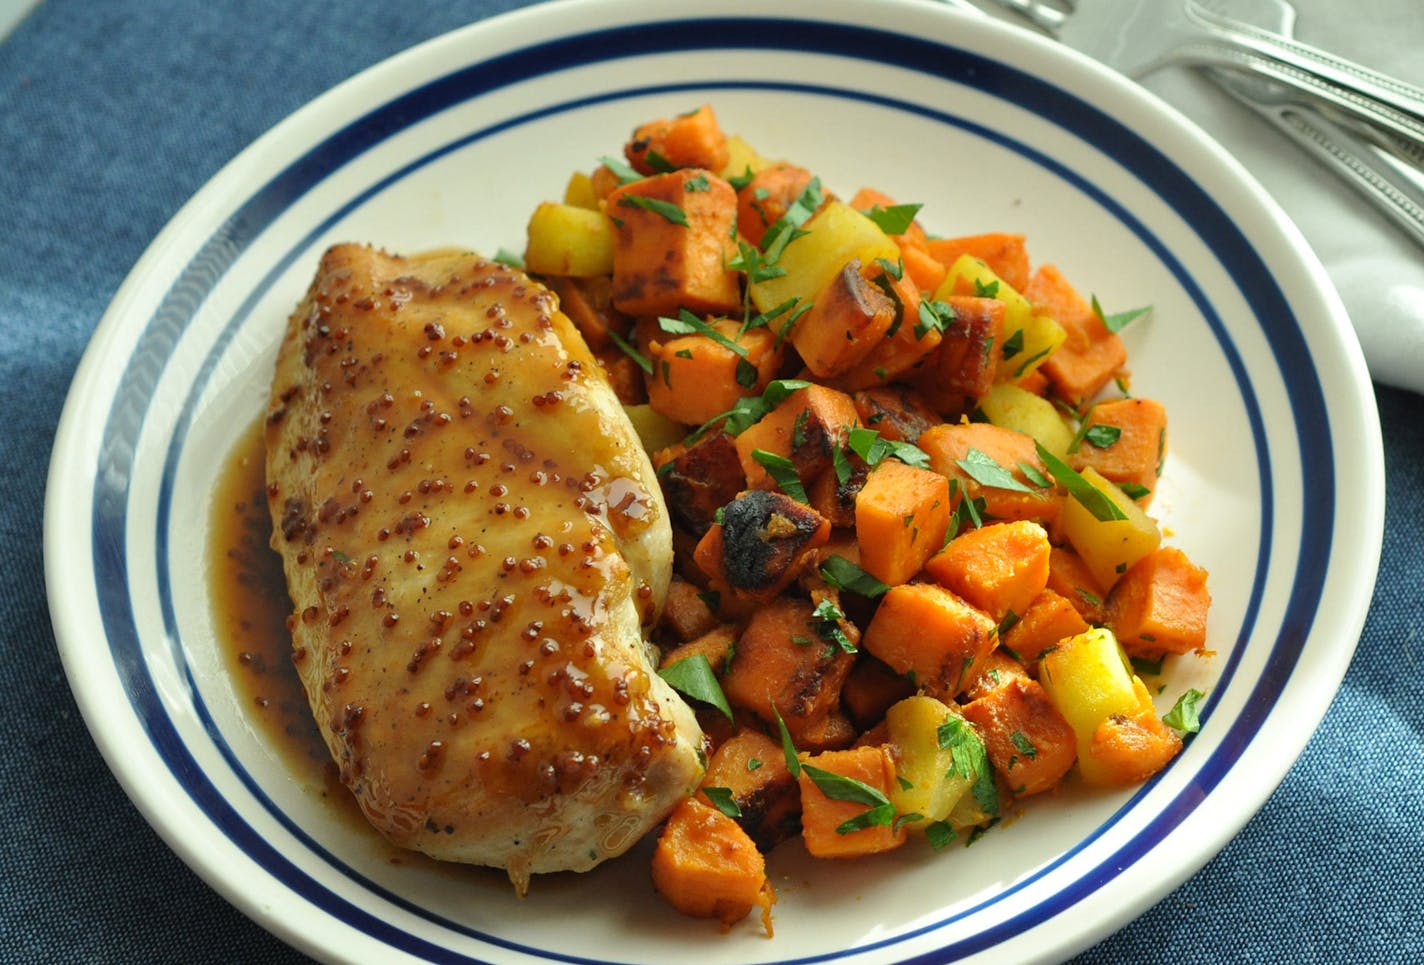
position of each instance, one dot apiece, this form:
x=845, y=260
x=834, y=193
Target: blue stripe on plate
x=957, y=65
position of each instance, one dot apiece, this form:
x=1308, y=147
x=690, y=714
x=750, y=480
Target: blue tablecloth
x=111, y=115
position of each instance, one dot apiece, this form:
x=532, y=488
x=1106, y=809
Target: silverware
x=1145, y=35
x=1375, y=145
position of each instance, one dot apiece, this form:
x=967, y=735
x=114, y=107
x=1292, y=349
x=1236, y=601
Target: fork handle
x=1353, y=153
x=1354, y=88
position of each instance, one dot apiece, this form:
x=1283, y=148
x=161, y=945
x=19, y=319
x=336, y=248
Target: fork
x=1141, y=37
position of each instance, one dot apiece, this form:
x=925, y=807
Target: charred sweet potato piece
x=700, y=479
x=760, y=544
x=897, y=413
x=783, y=664
x=845, y=321
x=807, y=427
x=686, y=613
x=752, y=768
x=871, y=689
x=672, y=244
x=906, y=344
x=962, y=367
x=834, y=498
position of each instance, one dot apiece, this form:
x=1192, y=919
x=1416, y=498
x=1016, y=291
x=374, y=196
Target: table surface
x=113, y=114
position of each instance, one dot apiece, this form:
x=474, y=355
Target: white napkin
x=1378, y=270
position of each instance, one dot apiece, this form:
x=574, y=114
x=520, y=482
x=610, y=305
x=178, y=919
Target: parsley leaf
x=750, y=409
x=934, y=316
x=842, y=574
x=895, y=219
x=511, y=258
x=990, y=290
x=783, y=471
x=970, y=761
x=871, y=447
x=722, y=800
x=986, y=472
x=694, y=677
x=621, y=170
x=1102, y=435
x=828, y=619
x=1119, y=321
x=631, y=351
x=788, y=749
x=1184, y=716
x=667, y=209
x=940, y=834
x=1093, y=499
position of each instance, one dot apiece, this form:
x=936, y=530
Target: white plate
x=1274, y=480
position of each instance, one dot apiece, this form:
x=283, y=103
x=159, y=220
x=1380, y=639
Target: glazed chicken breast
x=473, y=541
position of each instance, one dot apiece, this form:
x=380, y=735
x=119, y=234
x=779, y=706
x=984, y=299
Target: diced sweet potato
x=1048, y=619
x=716, y=645
x=672, y=244
x=686, y=613
x=1070, y=578
x=783, y=665
x=906, y=344
x=765, y=199
x=624, y=375
x=691, y=140
x=1091, y=355
x=1160, y=605
x=588, y=302
x=898, y=413
x=707, y=867
x=1000, y=567
x=871, y=689
x=761, y=543
x=702, y=478
x=925, y=630
x=822, y=817
x=901, y=517
x=962, y=368
x=696, y=378
x=1128, y=749
x=993, y=672
x=807, y=427
x=950, y=445
x=834, y=499
x=752, y=767
x=1029, y=743
x=847, y=319
x=1004, y=253
x=1135, y=456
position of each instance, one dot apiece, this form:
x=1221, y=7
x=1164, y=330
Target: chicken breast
x=473, y=541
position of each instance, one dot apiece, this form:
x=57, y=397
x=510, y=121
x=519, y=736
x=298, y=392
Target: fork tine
x=1047, y=18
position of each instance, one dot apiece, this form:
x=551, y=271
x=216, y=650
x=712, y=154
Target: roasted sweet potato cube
x=588, y=302
x=686, y=613
x=1091, y=355
x=849, y=316
x=1070, y=578
x=871, y=689
x=696, y=377
x=1004, y=253
x=702, y=478
x=623, y=374
x=691, y=140
x=1048, y=619
x=752, y=767
x=835, y=499
x=766, y=198
x=906, y=344
x=1133, y=437
x=999, y=567
x=1030, y=744
x=672, y=245
x=761, y=543
x=995, y=670
x=783, y=664
x=898, y=413
x=901, y=516
x=1160, y=605
x=807, y=428
x=716, y=645
x=706, y=866
x=924, y=629
x=983, y=445
x=822, y=817
x=962, y=367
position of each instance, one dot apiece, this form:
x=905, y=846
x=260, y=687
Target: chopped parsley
x=842, y=574
x=695, y=678
x=783, y=471
x=1184, y=714
x=1093, y=499
x=722, y=800
x=666, y=209
x=1119, y=321
x=894, y=219
x=828, y=619
x=871, y=447
x=982, y=468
